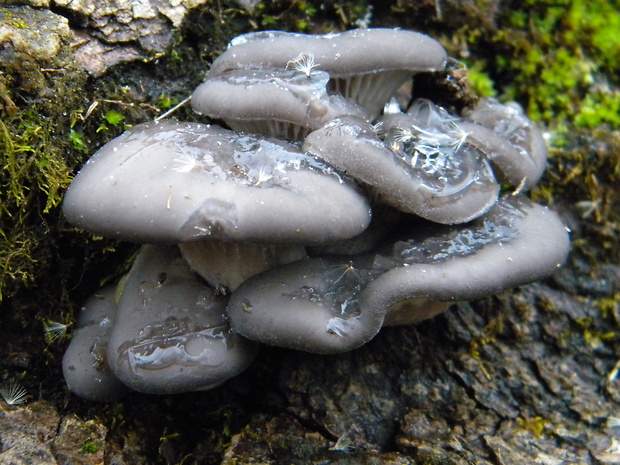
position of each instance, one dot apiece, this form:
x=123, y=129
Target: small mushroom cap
x=262, y=101
x=180, y=182
x=366, y=65
x=309, y=305
x=454, y=191
x=84, y=364
x=171, y=334
x=341, y=54
x=518, y=242
x=510, y=140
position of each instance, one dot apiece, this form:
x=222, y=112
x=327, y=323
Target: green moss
x=480, y=82
x=113, y=117
x=33, y=178
x=562, y=58
x=299, y=16
x=77, y=139
x=166, y=102
x=592, y=336
x=601, y=107
x=17, y=22
x=609, y=307
x=40, y=85
x=91, y=447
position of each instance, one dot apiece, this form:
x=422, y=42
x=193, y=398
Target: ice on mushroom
x=509, y=140
x=171, y=333
x=517, y=242
x=84, y=364
x=179, y=182
x=276, y=103
x=367, y=65
x=457, y=188
x=447, y=147
x=309, y=305
x=329, y=305
x=279, y=233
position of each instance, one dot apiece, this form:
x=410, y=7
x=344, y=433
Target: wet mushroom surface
x=171, y=333
x=366, y=65
x=172, y=181
x=287, y=104
x=356, y=221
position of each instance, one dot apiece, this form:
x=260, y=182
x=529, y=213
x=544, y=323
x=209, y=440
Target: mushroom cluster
x=319, y=215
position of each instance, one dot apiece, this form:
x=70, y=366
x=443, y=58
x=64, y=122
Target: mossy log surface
x=529, y=376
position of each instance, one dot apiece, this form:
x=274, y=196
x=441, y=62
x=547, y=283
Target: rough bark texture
x=529, y=376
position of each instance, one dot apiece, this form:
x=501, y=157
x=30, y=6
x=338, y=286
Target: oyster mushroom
x=284, y=104
x=308, y=305
x=508, y=138
x=180, y=182
x=333, y=305
x=84, y=364
x=244, y=210
x=367, y=65
x=518, y=242
x=457, y=187
x=171, y=333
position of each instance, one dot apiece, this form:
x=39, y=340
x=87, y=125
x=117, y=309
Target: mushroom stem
x=230, y=263
x=413, y=311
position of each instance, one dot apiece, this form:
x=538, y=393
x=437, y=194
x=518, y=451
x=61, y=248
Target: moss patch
x=562, y=58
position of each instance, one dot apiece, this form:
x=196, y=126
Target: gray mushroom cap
x=171, y=334
x=340, y=54
x=456, y=192
x=180, y=182
x=512, y=142
x=518, y=242
x=332, y=304
x=367, y=65
x=308, y=305
x=84, y=364
x=276, y=103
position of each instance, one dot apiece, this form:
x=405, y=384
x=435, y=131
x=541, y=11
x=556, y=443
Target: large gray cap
x=84, y=364
x=509, y=139
x=340, y=54
x=518, y=242
x=454, y=190
x=366, y=65
x=180, y=182
x=171, y=334
x=277, y=103
x=309, y=305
